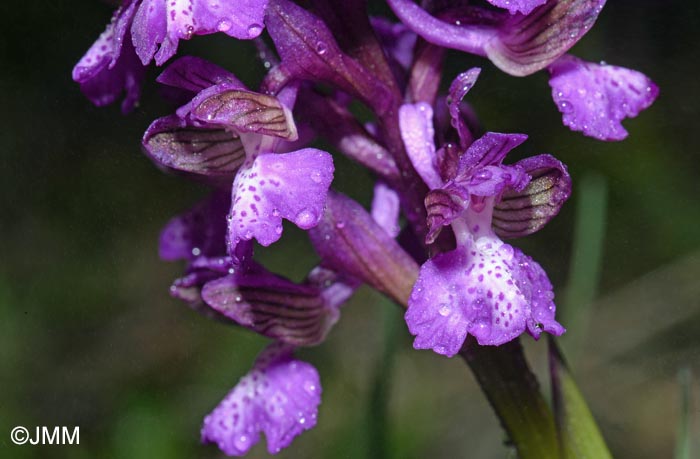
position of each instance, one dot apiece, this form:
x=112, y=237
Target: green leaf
x=586, y=259
x=578, y=432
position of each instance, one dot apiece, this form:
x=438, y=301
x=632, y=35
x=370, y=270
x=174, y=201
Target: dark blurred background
x=90, y=337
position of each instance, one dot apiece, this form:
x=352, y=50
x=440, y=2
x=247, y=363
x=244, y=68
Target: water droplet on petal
x=223, y=25
x=241, y=442
x=444, y=310
x=565, y=106
x=321, y=48
x=316, y=177
x=310, y=387
x=254, y=30
x=305, y=219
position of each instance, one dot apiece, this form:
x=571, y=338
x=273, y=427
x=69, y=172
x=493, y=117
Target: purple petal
x=149, y=28
x=198, y=232
x=228, y=105
x=595, y=98
x=275, y=186
x=386, y=207
x=489, y=150
x=493, y=180
x=159, y=25
x=279, y=396
x=110, y=66
x=106, y=50
x=518, y=6
x=309, y=51
x=173, y=142
x=534, y=284
x=335, y=288
x=272, y=306
x=243, y=19
x=426, y=72
x=487, y=289
x=471, y=39
x=416, y=123
x=396, y=39
x=528, y=43
x=189, y=290
x=458, y=89
x=443, y=206
x=349, y=241
x=524, y=212
x=194, y=74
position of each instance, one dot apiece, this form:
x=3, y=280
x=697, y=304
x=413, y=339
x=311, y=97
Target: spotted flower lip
x=159, y=25
x=595, y=98
x=484, y=288
x=278, y=397
x=292, y=186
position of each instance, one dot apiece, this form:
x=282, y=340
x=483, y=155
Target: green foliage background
x=90, y=337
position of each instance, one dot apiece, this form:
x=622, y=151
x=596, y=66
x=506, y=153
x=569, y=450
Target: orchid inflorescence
x=448, y=265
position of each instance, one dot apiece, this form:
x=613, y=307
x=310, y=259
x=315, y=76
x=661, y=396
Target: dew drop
x=254, y=30
x=483, y=174
x=316, y=177
x=223, y=25
x=565, y=106
x=310, y=387
x=444, y=310
x=305, y=218
x=241, y=442
x=321, y=48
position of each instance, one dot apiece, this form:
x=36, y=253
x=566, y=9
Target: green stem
x=514, y=394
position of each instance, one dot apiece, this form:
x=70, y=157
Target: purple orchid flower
x=593, y=99
x=206, y=137
x=484, y=287
x=279, y=397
